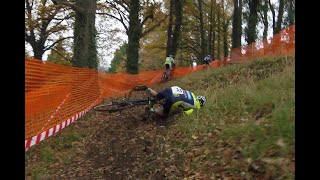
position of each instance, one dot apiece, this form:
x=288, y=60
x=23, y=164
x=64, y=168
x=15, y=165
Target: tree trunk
x=213, y=53
x=213, y=33
x=265, y=23
x=291, y=12
x=280, y=17
x=240, y=23
x=37, y=50
x=210, y=28
x=225, y=39
x=85, y=50
x=265, y=19
x=225, y=32
x=236, y=30
x=273, y=17
x=38, y=45
x=252, y=23
x=177, y=27
x=169, y=33
x=235, y=21
x=219, y=33
x=135, y=31
x=202, y=38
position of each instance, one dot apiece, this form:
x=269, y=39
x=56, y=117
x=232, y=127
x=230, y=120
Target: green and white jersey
x=169, y=60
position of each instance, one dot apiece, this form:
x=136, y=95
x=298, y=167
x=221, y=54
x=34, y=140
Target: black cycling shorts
x=167, y=66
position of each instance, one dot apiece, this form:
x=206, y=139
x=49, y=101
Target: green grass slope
x=247, y=127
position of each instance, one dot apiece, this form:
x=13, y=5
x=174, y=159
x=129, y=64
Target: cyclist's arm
x=152, y=92
x=158, y=95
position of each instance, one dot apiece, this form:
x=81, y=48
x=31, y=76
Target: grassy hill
x=245, y=130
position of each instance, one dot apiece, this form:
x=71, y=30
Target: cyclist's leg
x=172, y=69
x=187, y=106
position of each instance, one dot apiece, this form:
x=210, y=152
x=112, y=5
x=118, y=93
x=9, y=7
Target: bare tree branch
x=29, y=14
x=27, y=37
x=45, y=24
x=120, y=12
x=66, y=3
x=122, y=4
x=55, y=29
x=109, y=15
x=150, y=16
x=154, y=26
x=53, y=44
x=60, y=19
x=119, y=19
x=61, y=55
x=123, y=16
x=260, y=16
x=191, y=45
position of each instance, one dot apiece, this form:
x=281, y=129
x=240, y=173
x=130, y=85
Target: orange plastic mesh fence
x=57, y=95
x=280, y=44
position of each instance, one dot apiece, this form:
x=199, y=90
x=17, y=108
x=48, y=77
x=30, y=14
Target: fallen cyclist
x=175, y=98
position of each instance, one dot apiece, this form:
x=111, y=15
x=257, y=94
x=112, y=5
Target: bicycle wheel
x=113, y=107
x=121, y=105
x=164, y=77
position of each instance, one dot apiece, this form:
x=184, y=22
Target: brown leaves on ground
x=122, y=146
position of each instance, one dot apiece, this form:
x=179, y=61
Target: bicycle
x=167, y=74
x=126, y=103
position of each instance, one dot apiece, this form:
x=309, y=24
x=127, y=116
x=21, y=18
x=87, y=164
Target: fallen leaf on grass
x=194, y=137
x=281, y=143
x=227, y=156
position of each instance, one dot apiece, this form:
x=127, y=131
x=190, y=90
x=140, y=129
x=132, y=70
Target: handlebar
x=140, y=88
x=137, y=88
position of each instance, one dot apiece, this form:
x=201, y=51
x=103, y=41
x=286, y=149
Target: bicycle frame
x=167, y=75
x=126, y=103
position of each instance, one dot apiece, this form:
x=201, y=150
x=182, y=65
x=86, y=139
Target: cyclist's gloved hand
x=152, y=110
x=140, y=88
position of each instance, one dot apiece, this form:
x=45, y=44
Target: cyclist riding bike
x=207, y=59
x=169, y=65
x=175, y=98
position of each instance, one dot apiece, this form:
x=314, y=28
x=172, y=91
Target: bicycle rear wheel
x=164, y=77
x=121, y=105
x=112, y=107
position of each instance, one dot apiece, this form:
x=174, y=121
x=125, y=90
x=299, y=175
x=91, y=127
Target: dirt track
x=117, y=147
